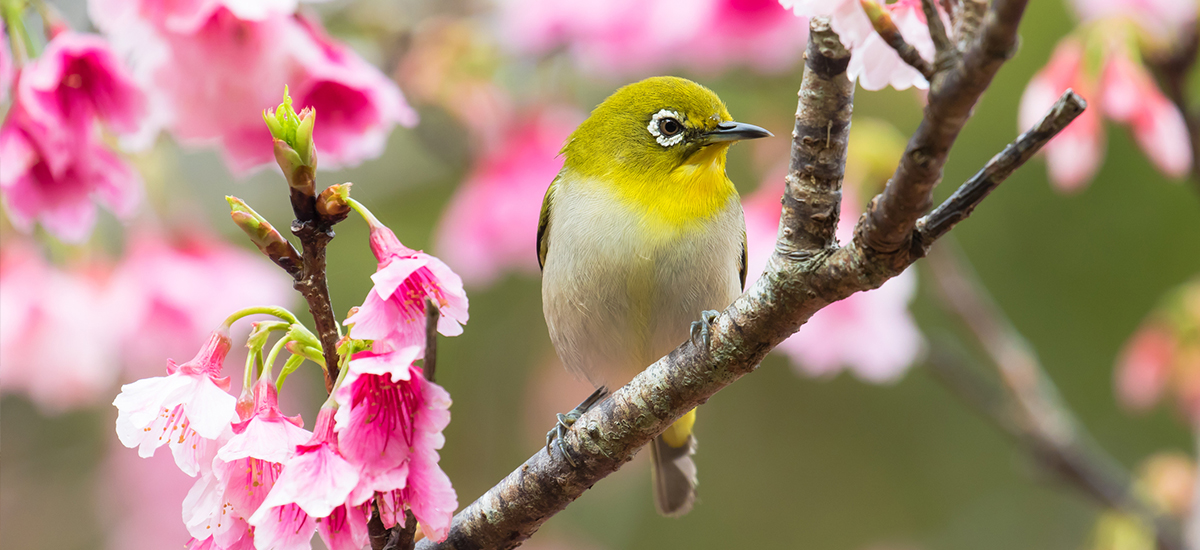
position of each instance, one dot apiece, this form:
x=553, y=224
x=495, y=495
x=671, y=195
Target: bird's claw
x=565, y=421
x=702, y=331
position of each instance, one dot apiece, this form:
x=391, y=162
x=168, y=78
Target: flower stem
x=277, y=311
x=362, y=211
x=273, y=354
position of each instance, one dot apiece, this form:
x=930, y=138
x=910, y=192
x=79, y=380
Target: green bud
x=263, y=234
x=294, y=130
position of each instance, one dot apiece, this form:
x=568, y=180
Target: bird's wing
x=741, y=261
x=543, y=235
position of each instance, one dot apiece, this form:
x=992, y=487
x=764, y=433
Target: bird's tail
x=674, y=472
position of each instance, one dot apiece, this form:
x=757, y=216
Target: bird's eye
x=669, y=127
x=666, y=128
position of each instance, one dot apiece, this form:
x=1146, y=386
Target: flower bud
x=332, y=202
x=263, y=234
x=294, y=148
x=881, y=20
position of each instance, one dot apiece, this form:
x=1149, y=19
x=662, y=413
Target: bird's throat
x=686, y=196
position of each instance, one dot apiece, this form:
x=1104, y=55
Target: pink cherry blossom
x=375, y=419
x=875, y=64
x=1145, y=367
x=490, y=225
x=1074, y=156
x=55, y=177
x=56, y=345
x=628, y=37
x=871, y=333
x=394, y=310
x=191, y=401
x=314, y=482
x=345, y=528
x=173, y=286
x=244, y=470
x=390, y=422
x=249, y=54
x=1130, y=96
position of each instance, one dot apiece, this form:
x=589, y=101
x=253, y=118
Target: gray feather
x=674, y=476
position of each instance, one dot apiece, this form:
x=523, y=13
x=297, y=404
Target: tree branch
x=806, y=272
x=970, y=194
x=887, y=30
x=1031, y=409
x=887, y=226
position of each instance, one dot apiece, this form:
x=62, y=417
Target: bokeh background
x=785, y=459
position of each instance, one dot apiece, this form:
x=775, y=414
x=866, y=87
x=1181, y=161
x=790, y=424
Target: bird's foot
x=565, y=421
x=702, y=331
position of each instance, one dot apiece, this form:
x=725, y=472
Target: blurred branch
x=806, y=272
x=1029, y=407
x=970, y=194
x=1173, y=67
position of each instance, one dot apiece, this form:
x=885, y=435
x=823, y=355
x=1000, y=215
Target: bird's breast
x=621, y=285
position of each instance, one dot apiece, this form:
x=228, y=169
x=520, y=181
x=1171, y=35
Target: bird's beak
x=734, y=131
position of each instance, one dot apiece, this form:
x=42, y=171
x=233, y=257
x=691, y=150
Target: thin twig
x=970, y=194
x=431, y=320
x=887, y=227
x=945, y=54
x=1034, y=412
x=887, y=30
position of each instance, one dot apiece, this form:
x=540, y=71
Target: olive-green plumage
x=640, y=232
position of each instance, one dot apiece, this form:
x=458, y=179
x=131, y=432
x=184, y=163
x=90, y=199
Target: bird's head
x=652, y=128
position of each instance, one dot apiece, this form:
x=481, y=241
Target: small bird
x=642, y=233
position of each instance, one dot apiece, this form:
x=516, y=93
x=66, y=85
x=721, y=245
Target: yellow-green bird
x=641, y=234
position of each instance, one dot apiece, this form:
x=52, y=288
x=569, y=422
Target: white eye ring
x=665, y=141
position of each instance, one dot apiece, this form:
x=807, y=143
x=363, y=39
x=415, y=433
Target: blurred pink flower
x=1074, y=156
x=1130, y=96
x=174, y=286
x=629, y=37
x=490, y=225
x=56, y=345
x=389, y=423
x=356, y=103
x=139, y=500
x=1145, y=367
x=51, y=165
x=1163, y=357
x=875, y=64
x=1126, y=94
x=249, y=53
x=394, y=310
x=52, y=175
x=871, y=333
x=316, y=480
x=191, y=401
x=77, y=80
x=1157, y=16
